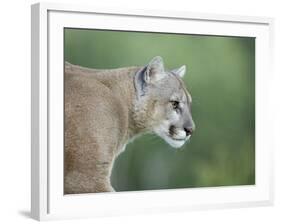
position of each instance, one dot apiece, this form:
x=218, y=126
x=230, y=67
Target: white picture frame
x=47, y=198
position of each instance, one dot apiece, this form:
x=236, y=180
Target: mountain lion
x=105, y=109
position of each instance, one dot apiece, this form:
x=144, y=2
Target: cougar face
x=166, y=101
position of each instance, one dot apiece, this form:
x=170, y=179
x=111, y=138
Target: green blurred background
x=221, y=79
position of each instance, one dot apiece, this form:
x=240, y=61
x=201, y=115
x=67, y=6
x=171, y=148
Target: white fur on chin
x=174, y=143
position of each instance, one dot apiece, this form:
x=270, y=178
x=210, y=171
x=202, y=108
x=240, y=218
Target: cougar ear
x=151, y=73
x=154, y=70
x=180, y=71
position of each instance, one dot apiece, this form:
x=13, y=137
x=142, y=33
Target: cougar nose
x=189, y=127
x=188, y=131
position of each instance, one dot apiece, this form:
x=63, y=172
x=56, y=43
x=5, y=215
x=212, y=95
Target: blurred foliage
x=221, y=78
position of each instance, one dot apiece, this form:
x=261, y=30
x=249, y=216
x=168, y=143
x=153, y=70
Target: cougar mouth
x=171, y=138
x=177, y=139
x=174, y=135
x=175, y=142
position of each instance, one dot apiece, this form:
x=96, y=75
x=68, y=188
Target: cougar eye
x=175, y=105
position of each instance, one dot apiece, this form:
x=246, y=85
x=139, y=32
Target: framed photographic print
x=148, y=111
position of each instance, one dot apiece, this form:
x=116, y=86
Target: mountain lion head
x=163, y=103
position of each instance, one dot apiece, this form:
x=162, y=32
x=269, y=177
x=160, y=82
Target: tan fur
x=101, y=116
